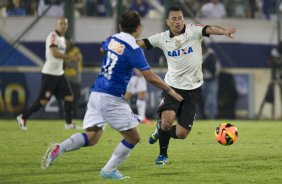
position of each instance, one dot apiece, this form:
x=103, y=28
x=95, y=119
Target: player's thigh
x=118, y=114
x=141, y=85
x=131, y=87
x=187, y=111
x=63, y=89
x=168, y=107
x=48, y=86
x=94, y=115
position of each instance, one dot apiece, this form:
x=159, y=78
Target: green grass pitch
x=255, y=158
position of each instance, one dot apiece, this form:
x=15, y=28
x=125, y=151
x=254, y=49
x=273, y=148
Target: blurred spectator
x=213, y=9
x=253, y=8
x=268, y=9
x=100, y=8
x=104, y=8
x=16, y=8
x=211, y=69
x=90, y=7
x=191, y=7
x=141, y=6
x=56, y=10
x=3, y=7
x=73, y=71
x=161, y=2
x=237, y=8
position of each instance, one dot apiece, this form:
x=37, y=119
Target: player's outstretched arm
x=217, y=30
x=158, y=82
x=141, y=44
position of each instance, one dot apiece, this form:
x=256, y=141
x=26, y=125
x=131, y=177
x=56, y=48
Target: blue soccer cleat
x=154, y=137
x=161, y=160
x=113, y=175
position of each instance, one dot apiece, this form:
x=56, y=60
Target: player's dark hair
x=129, y=21
x=173, y=8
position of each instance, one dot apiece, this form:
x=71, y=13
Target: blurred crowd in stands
x=251, y=9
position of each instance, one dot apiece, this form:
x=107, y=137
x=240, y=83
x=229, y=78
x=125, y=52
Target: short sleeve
x=155, y=40
x=53, y=40
x=138, y=60
x=197, y=29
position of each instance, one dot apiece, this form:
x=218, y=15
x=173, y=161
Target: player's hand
x=175, y=95
x=229, y=32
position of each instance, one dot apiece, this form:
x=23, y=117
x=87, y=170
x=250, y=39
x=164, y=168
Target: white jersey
x=184, y=56
x=52, y=65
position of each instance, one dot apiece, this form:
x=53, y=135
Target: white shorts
x=103, y=108
x=137, y=84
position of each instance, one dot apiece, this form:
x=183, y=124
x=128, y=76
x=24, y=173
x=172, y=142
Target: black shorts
x=185, y=110
x=54, y=85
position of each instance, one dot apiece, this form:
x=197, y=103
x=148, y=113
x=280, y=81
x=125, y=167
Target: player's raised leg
x=75, y=142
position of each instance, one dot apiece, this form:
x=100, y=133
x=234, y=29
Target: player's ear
x=167, y=22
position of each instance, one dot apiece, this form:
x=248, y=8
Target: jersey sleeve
x=53, y=42
x=104, y=44
x=155, y=40
x=138, y=60
x=198, y=29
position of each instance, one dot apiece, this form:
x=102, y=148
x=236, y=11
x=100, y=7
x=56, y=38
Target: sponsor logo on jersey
x=116, y=46
x=61, y=49
x=180, y=52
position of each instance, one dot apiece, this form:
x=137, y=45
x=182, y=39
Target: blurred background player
x=138, y=85
x=73, y=69
x=211, y=69
x=53, y=81
x=106, y=102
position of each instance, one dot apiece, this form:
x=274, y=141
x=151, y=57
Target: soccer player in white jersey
x=106, y=102
x=138, y=86
x=181, y=45
x=53, y=81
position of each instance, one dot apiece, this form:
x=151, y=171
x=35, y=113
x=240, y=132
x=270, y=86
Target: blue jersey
x=122, y=54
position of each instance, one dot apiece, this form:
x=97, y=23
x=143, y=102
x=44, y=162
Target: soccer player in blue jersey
x=106, y=101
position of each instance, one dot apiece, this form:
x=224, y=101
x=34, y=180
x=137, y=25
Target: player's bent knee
x=133, y=140
x=93, y=142
x=182, y=134
x=166, y=126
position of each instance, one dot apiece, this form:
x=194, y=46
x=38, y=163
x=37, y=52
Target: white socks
x=119, y=155
x=141, y=108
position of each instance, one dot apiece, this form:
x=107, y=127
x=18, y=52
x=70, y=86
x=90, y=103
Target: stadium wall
x=249, y=49
x=245, y=57
x=19, y=87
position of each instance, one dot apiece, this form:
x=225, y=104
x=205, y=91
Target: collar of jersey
x=58, y=33
x=171, y=35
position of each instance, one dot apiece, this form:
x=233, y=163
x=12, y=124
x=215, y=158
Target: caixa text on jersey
x=180, y=52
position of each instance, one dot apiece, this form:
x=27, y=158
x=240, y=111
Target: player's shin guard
x=68, y=106
x=164, y=141
x=34, y=107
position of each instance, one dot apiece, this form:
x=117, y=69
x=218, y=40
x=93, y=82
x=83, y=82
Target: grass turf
x=255, y=158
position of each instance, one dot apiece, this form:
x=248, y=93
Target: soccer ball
x=226, y=134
